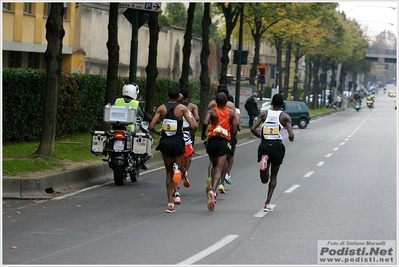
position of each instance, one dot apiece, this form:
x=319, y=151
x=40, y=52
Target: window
x=46, y=9
x=34, y=60
x=7, y=6
x=28, y=8
x=66, y=11
x=14, y=59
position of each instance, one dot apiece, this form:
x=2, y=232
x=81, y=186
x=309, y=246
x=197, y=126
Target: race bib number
x=270, y=131
x=169, y=127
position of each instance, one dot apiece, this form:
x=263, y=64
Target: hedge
x=80, y=104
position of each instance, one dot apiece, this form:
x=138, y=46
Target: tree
x=176, y=14
x=231, y=13
x=53, y=56
x=187, y=46
x=204, y=75
x=151, y=69
x=113, y=57
x=259, y=18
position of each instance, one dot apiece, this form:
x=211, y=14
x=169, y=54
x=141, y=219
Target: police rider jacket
x=133, y=103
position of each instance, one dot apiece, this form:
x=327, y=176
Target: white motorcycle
x=127, y=151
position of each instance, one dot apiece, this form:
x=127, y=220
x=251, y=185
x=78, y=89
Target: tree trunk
x=204, y=76
x=187, y=46
x=254, y=70
x=295, y=91
x=316, y=83
x=231, y=14
x=279, y=54
x=53, y=57
x=113, y=58
x=151, y=69
x=287, y=68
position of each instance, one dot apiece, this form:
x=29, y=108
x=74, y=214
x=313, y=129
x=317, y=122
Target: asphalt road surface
x=338, y=182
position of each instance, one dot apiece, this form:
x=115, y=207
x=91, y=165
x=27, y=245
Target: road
x=338, y=181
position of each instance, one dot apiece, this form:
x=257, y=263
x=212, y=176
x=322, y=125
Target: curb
x=66, y=182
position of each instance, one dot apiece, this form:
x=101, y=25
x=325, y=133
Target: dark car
x=298, y=111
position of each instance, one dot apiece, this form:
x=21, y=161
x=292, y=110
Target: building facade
x=86, y=35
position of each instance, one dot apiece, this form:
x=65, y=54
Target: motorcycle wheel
x=134, y=176
x=119, y=175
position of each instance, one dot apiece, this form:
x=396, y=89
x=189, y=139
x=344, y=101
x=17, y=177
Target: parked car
x=298, y=111
x=263, y=101
x=392, y=94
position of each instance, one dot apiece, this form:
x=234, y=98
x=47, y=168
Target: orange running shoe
x=186, y=181
x=177, y=175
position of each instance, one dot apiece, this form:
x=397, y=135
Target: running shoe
x=263, y=162
x=176, y=198
x=177, y=175
x=186, y=181
x=208, y=184
x=211, y=200
x=227, y=178
x=221, y=189
x=170, y=208
x=267, y=208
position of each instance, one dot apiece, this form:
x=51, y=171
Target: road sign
x=147, y=6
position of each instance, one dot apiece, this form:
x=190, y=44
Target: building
x=86, y=35
x=24, y=35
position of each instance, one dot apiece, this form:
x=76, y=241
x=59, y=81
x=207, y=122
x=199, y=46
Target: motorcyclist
x=129, y=98
x=358, y=98
x=370, y=100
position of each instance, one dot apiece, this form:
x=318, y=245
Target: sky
x=375, y=15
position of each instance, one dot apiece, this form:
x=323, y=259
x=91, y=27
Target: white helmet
x=131, y=90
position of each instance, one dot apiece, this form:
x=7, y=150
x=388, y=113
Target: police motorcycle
x=127, y=150
x=370, y=102
x=357, y=105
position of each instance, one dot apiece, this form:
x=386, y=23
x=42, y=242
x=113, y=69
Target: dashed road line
x=292, y=188
x=262, y=213
x=218, y=245
x=329, y=155
x=320, y=163
x=308, y=174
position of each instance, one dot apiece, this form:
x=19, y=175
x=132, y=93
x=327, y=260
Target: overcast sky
x=374, y=14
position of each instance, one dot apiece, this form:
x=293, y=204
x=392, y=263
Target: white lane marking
x=329, y=155
x=292, y=188
x=346, y=139
x=320, y=163
x=335, y=149
x=308, y=174
x=262, y=213
x=343, y=143
x=227, y=239
x=80, y=191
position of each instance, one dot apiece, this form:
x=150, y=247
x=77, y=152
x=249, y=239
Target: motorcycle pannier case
x=142, y=143
x=97, y=142
x=118, y=114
